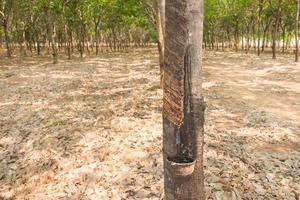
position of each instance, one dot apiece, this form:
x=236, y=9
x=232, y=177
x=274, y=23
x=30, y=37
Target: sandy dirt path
x=91, y=128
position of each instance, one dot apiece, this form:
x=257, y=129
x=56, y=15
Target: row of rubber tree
x=87, y=25
x=31, y=26
x=252, y=24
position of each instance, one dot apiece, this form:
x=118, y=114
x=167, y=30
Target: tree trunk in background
x=296, y=32
x=97, y=40
x=160, y=26
x=38, y=48
x=243, y=45
x=283, y=37
x=97, y=35
x=253, y=36
x=236, y=36
x=22, y=42
x=7, y=40
x=183, y=107
x=274, y=40
x=222, y=41
x=274, y=36
x=265, y=35
x=51, y=34
x=287, y=41
x=248, y=39
x=259, y=26
x=54, y=46
x=68, y=41
x=276, y=28
x=38, y=44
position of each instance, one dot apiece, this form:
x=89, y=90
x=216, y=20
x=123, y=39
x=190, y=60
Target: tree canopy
x=117, y=23
x=85, y=24
x=255, y=23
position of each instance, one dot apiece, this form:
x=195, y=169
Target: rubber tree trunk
x=160, y=26
x=54, y=46
x=97, y=41
x=68, y=41
x=283, y=28
x=275, y=28
x=23, y=43
x=183, y=104
x=236, y=36
x=7, y=39
x=265, y=31
x=259, y=26
x=38, y=45
x=296, y=32
x=274, y=34
x=97, y=35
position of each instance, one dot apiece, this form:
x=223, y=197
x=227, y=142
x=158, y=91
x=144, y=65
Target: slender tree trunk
x=68, y=34
x=287, y=41
x=263, y=42
x=66, y=42
x=54, y=46
x=30, y=46
x=274, y=36
x=248, y=39
x=243, y=44
x=7, y=39
x=222, y=41
x=88, y=46
x=183, y=109
x=38, y=41
x=23, y=43
x=259, y=26
x=236, y=36
x=265, y=35
x=283, y=37
x=274, y=40
x=80, y=45
x=38, y=47
x=296, y=32
x=160, y=27
x=97, y=40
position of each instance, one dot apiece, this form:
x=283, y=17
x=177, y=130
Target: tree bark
x=296, y=32
x=68, y=41
x=7, y=39
x=265, y=35
x=54, y=46
x=160, y=26
x=275, y=28
x=183, y=108
x=274, y=36
x=274, y=39
x=236, y=36
x=248, y=39
x=259, y=26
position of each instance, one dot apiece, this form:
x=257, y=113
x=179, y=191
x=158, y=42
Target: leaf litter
x=92, y=128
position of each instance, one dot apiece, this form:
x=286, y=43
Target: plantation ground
x=91, y=128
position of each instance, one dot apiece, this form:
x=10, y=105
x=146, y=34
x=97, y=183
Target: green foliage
x=239, y=16
x=113, y=19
